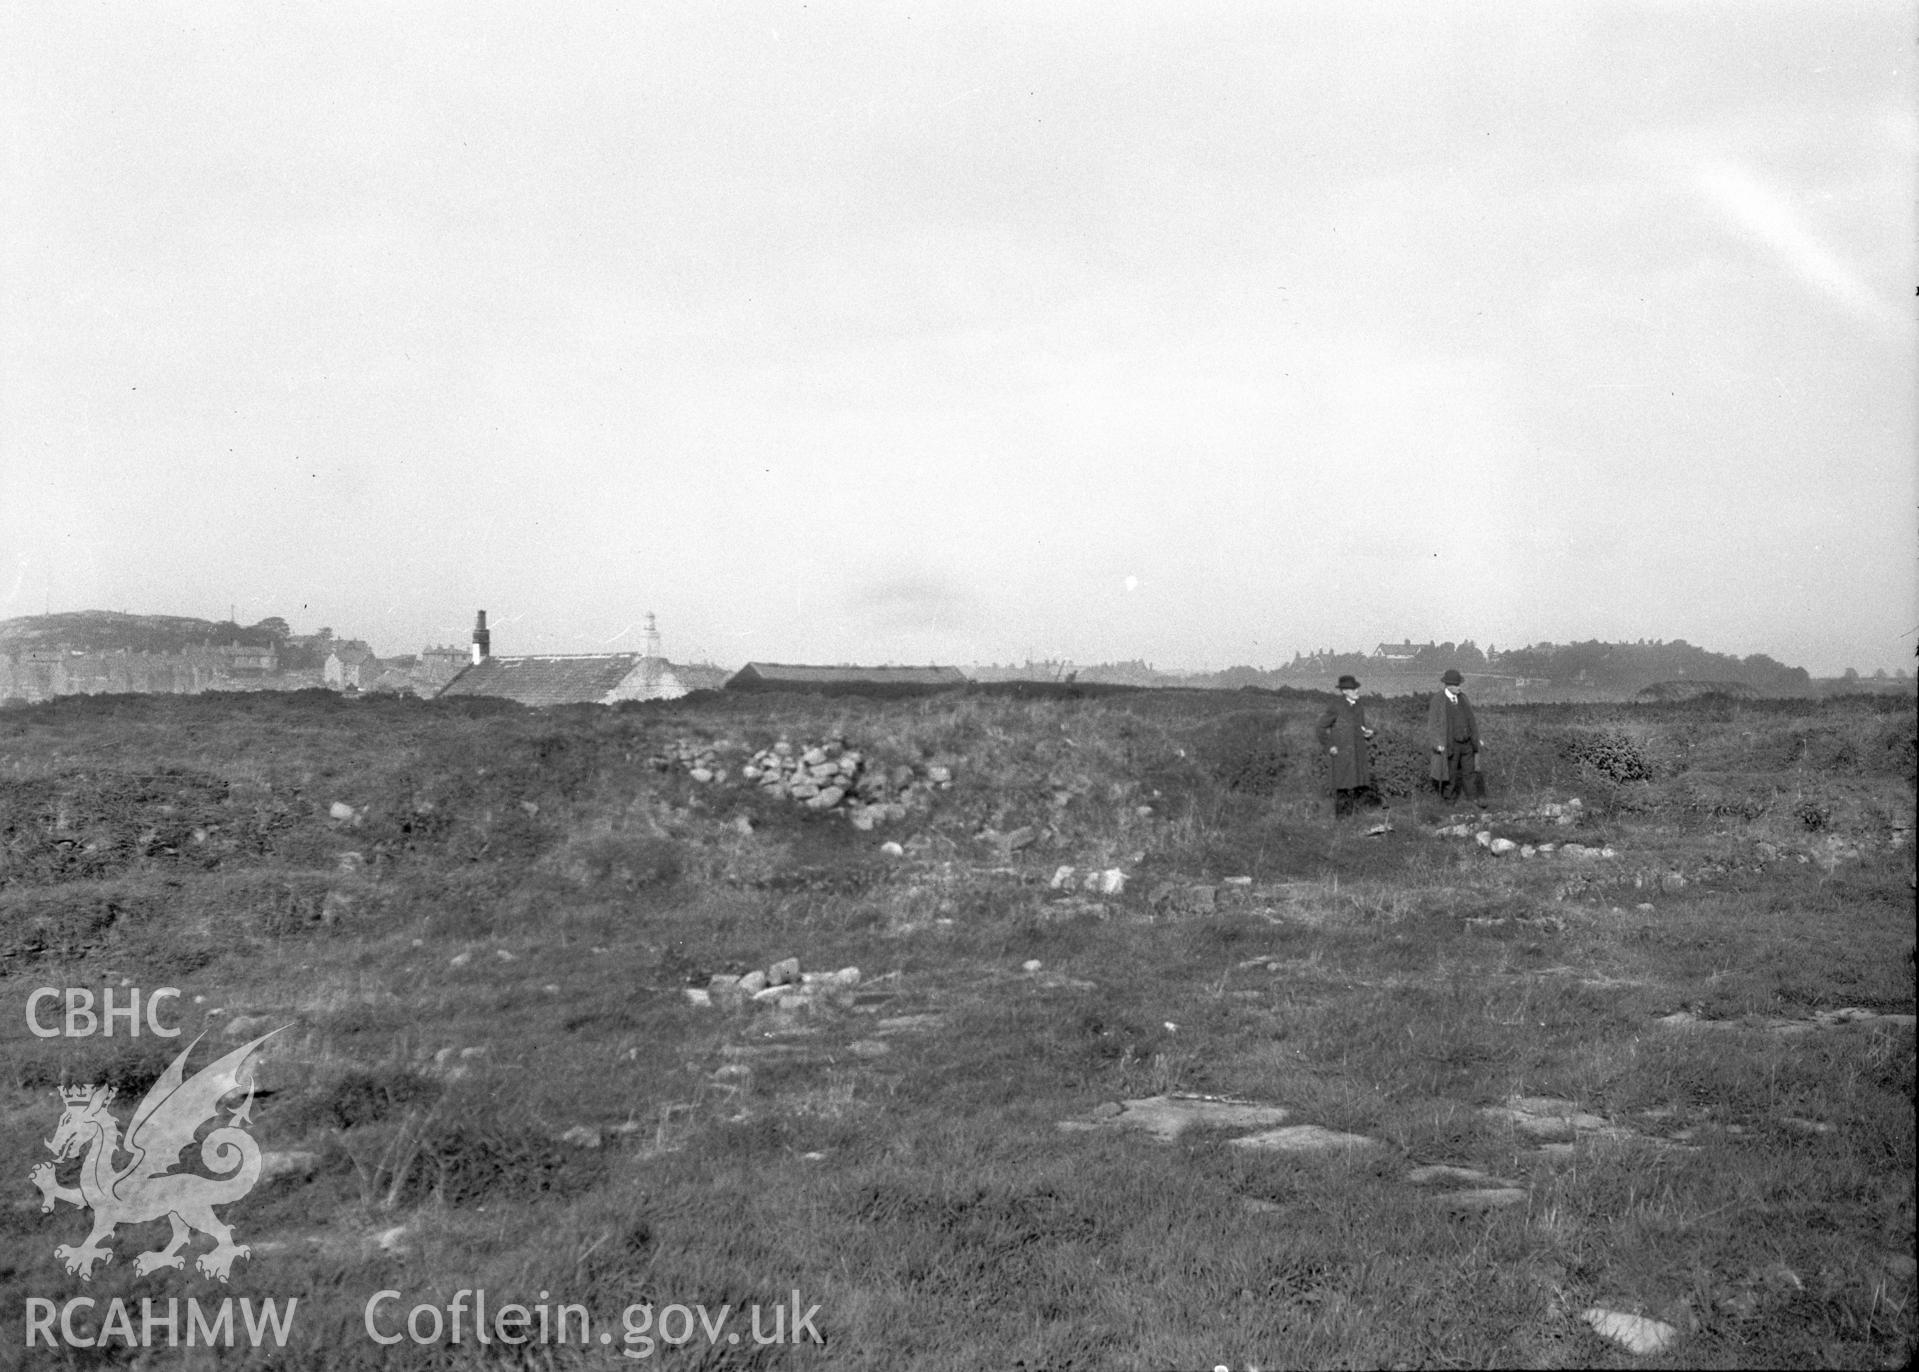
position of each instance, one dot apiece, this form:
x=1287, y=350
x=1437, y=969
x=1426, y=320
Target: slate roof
x=781, y=673
x=553, y=679
x=700, y=677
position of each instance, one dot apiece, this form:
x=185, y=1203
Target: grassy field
x=488, y=931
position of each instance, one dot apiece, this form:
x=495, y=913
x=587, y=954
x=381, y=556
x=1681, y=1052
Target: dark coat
x=1450, y=730
x=1340, y=726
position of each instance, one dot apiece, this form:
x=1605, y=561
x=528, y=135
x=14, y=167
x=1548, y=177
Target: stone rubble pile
x=780, y=985
x=821, y=776
x=703, y=762
x=1108, y=882
x=1566, y=814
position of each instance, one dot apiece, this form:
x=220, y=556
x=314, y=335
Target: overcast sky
x=969, y=332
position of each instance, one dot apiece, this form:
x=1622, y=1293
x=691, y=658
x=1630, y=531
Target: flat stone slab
x=904, y=1023
x=1303, y=1138
x=1482, y=1198
x=1825, y=1019
x=1547, y=1117
x=1459, y=1176
x=1635, y=1333
x=772, y=1052
x=1167, y=1117
x=1599, y=981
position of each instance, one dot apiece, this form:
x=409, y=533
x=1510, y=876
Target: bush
x=1608, y=754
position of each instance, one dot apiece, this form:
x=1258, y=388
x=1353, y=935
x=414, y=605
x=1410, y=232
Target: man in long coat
x=1343, y=734
x=1452, y=736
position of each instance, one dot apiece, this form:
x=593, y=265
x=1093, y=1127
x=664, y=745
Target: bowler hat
x=1452, y=677
x=1349, y=683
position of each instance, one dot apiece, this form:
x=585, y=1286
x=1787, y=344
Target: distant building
x=351, y=665
x=1402, y=652
x=563, y=678
x=442, y=660
x=568, y=679
x=249, y=660
x=780, y=676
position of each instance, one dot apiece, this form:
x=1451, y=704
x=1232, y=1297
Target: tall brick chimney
x=482, y=640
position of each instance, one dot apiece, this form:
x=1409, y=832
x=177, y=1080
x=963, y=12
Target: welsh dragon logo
x=148, y=1188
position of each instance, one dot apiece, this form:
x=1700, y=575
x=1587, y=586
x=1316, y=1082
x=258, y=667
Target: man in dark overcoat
x=1343, y=734
x=1452, y=734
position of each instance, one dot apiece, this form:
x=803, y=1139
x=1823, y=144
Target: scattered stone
x=783, y=973
x=391, y=1240
x=1549, y=1118
x=1635, y=1333
x=1237, y=881
x=698, y=996
x=1385, y=826
x=1062, y=879
x=293, y=1164
x=753, y=983
x=906, y=1023
x=1852, y=1014
x=582, y=1136
x=460, y=959
x=1484, y=838
x=1448, y=1172
x=1501, y=846
x=1167, y=1117
x=769, y=995
x=341, y=811
x=1483, y=1198
x=1303, y=1138
x=1824, y=1019
x=1806, y=1126
x=1255, y=1206
x=1031, y=965
x=246, y=1027
x=869, y=1048
x=892, y=849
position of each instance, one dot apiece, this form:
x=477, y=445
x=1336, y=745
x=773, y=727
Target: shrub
x=1609, y=754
